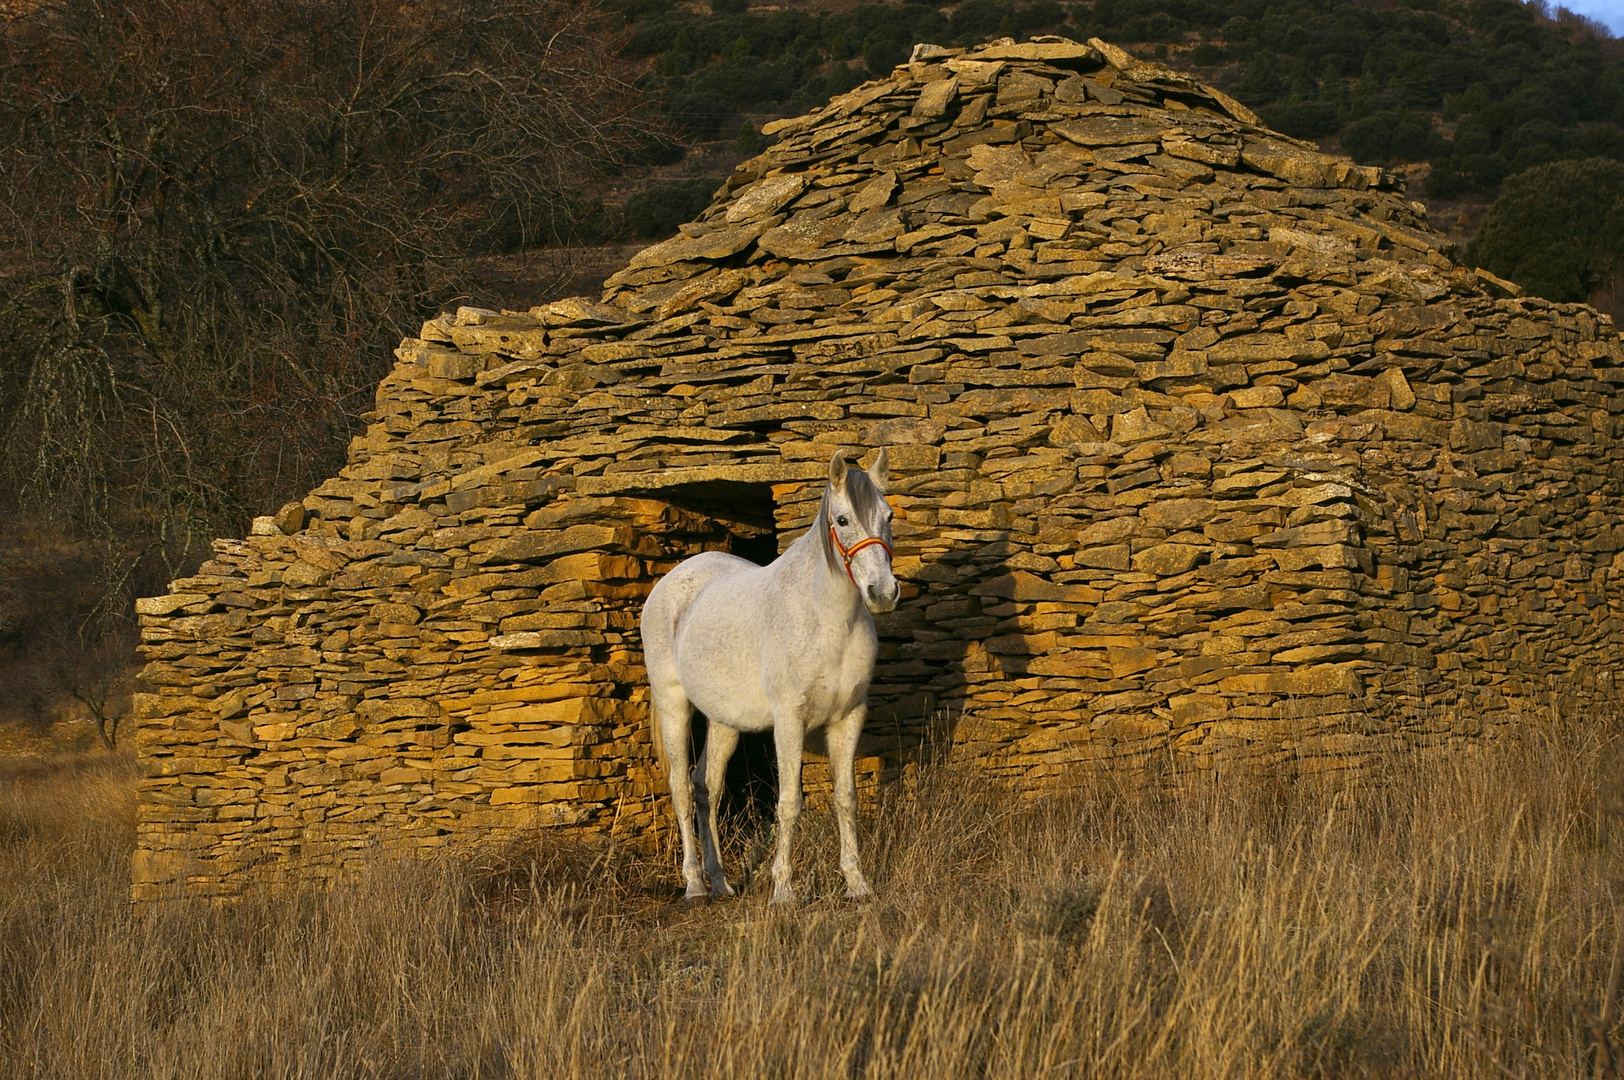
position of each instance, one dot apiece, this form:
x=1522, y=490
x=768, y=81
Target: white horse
x=789, y=646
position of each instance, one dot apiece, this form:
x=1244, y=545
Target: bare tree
x=214, y=217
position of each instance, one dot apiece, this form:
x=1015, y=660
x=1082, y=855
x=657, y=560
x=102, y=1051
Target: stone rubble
x=1205, y=456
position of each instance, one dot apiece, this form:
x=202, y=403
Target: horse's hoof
x=695, y=895
x=783, y=896
x=860, y=894
x=724, y=889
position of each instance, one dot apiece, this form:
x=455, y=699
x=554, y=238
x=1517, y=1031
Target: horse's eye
x=841, y=521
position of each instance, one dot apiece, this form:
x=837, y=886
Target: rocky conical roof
x=1009, y=207
x=1032, y=164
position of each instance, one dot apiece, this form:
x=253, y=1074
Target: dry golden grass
x=1457, y=919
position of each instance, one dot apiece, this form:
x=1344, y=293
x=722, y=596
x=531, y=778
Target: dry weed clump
x=1457, y=917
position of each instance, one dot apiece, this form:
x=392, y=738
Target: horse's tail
x=658, y=626
x=662, y=760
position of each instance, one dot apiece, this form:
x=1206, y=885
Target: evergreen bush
x=1557, y=230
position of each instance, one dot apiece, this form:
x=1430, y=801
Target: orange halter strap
x=848, y=553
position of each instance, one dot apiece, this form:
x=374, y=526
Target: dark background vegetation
x=1480, y=89
x=215, y=219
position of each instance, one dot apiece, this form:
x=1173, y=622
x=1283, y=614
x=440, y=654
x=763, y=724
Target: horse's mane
x=862, y=491
x=820, y=526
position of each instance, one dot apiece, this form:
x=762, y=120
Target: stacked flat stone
x=1205, y=456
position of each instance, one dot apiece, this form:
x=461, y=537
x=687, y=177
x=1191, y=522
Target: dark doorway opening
x=745, y=509
x=761, y=549
x=752, y=781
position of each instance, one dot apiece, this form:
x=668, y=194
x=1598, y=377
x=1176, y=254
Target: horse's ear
x=837, y=470
x=880, y=471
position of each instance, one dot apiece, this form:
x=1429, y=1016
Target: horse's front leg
x=789, y=736
x=842, y=739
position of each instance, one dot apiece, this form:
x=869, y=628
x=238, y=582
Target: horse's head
x=859, y=522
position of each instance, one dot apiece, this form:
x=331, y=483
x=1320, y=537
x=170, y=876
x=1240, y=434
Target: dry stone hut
x=1205, y=455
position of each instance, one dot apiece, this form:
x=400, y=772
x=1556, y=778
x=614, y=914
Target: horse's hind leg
x=672, y=715
x=720, y=742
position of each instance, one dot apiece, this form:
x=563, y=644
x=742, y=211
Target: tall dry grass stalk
x=1457, y=918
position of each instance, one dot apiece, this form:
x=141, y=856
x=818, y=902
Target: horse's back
x=671, y=596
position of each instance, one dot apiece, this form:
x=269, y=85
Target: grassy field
x=1457, y=919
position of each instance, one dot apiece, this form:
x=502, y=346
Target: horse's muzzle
x=881, y=597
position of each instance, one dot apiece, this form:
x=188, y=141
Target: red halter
x=848, y=553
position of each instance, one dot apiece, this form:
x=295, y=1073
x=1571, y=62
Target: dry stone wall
x=1205, y=457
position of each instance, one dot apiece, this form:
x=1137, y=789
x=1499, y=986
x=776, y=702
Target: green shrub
x=699, y=115
x=841, y=78
x=1305, y=119
x=1557, y=230
x=1390, y=136
x=656, y=211
x=1445, y=182
x=749, y=140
